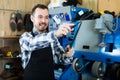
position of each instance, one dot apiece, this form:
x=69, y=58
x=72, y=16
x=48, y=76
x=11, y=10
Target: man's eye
x=47, y=17
x=40, y=17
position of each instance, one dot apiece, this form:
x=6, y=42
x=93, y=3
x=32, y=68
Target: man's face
x=40, y=19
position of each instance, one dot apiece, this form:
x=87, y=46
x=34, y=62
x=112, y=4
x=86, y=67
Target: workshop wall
x=111, y=5
x=90, y=4
x=101, y=5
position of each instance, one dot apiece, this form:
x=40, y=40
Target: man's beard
x=41, y=24
x=43, y=29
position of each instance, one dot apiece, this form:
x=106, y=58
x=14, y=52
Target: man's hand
x=64, y=29
x=69, y=51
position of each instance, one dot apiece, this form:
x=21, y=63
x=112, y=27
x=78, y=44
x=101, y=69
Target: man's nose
x=43, y=19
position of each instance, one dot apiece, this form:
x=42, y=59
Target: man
x=39, y=46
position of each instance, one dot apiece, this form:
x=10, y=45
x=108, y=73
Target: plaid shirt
x=29, y=43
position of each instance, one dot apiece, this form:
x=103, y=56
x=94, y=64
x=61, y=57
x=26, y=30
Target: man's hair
x=42, y=6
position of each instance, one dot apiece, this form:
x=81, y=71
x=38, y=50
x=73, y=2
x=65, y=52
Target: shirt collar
x=35, y=32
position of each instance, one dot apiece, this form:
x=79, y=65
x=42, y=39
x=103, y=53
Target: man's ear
x=32, y=18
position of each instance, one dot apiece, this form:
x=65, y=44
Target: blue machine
x=96, y=43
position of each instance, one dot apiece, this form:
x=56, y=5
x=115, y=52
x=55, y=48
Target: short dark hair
x=42, y=6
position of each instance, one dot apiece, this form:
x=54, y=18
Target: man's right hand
x=64, y=29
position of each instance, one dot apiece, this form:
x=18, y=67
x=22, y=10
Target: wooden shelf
x=9, y=37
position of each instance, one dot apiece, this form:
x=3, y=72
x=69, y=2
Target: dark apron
x=40, y=66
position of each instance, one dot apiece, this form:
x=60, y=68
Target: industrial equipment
x=96, y=41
